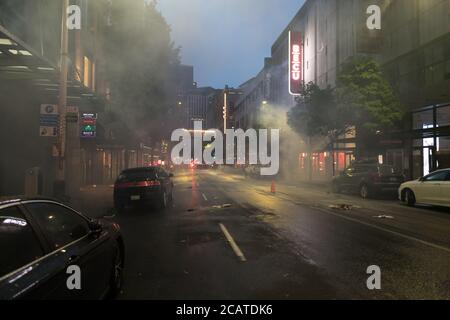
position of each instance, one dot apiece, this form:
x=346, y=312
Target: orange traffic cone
x=273, y=188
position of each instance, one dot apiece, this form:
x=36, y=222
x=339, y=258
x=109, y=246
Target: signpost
x=48, y=120
x=295, y=63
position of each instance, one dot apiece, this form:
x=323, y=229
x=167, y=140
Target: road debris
x=226, y=205
x=343, y=206
x=383, y=217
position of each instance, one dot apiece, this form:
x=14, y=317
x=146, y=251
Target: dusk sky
x=226, y=40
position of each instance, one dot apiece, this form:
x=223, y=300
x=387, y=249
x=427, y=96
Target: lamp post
x=62, y=104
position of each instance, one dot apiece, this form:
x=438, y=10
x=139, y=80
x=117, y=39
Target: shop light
x=7, y=42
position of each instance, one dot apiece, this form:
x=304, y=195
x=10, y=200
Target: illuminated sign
x=295, y=63
x=88, y=125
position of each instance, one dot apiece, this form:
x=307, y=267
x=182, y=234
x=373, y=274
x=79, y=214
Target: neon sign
x=295, y=63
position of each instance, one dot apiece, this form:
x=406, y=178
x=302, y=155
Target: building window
x=89, y=73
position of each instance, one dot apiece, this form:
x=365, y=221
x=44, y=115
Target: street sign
x=45, y=131
x=72, y=114
x=88, y=125
x=48, y=120
x=49, y=109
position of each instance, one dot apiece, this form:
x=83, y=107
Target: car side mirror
x=95, y=227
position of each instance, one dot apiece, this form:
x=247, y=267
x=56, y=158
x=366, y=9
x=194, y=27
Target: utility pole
x=60, y=185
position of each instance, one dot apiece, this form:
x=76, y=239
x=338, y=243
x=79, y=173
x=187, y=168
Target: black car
x=41, y=240
x=368, y=179
x=148, y=185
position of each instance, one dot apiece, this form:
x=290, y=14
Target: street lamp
x=265, y=102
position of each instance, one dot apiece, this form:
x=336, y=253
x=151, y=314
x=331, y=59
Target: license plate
x=134, y=198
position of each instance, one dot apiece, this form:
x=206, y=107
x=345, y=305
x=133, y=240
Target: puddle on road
x=200, y=238
x=258, y=213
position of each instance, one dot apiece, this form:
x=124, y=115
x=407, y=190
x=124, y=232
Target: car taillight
x=137, y=184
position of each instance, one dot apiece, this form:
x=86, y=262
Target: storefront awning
x=20, y=64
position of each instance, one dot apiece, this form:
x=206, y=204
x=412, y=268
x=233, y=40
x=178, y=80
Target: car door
x=358, y=176
x=445, y=191
x=345, y=180
x=73, y=244
x=23, y=267
x=428, y=190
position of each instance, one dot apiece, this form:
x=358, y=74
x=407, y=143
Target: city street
x=299, y=243
x=294, y=151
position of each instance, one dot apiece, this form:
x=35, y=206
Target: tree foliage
x=363, y=98
x=315, y=112
x=139, y=55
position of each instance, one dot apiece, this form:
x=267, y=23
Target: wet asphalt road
x=295, y=244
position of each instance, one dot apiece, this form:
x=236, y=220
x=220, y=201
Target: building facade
x=413, y=49
x=30, y=34
x=196, y=104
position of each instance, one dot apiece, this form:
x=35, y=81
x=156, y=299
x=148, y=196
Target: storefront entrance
x=431, y=139
x=424, y=161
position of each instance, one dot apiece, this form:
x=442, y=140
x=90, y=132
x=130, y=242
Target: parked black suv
x=368, y=179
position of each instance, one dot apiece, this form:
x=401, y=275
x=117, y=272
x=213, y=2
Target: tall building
x=195, y=105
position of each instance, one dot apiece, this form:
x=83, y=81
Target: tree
x=316, y=116
x=139, y=56
x=363, y=100
x=365, y=96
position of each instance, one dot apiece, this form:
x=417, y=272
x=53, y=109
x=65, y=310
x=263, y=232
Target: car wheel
x=117, y=273
x=364, y=191
x=410, y=198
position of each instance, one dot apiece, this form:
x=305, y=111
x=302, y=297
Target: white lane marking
x=204, y=197
x=232, y=243
x=436, y=246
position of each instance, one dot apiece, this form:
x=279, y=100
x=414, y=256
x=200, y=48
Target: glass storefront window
x=422, y=120
x=426, y=142
x=443, y=153
x=443, y=116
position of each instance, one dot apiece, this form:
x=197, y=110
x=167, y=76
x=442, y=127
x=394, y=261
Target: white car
x=433, y=189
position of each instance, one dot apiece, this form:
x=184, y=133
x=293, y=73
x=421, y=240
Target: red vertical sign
x=295, y=63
